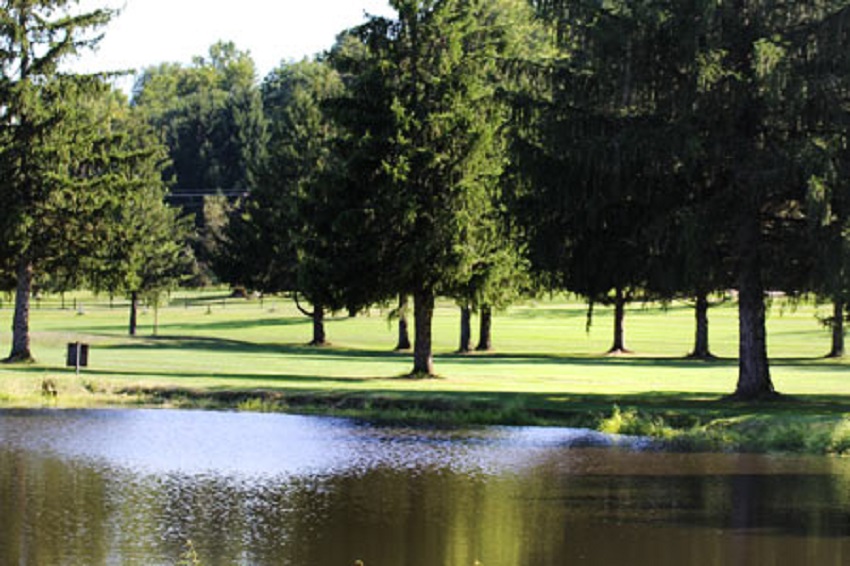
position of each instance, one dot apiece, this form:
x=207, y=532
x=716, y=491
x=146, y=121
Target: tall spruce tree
x=690, y=254
x=365, y=118
x=440, y=68
x=827, y=155
x=767, y=65
x=49, y=203
x=741, y=109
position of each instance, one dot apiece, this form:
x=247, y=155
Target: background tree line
x=475, y=149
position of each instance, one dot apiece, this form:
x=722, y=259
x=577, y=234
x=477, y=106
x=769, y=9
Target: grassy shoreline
x=217, y=353
x=684, y=422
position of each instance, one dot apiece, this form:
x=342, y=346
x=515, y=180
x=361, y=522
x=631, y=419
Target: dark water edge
x=132, y=487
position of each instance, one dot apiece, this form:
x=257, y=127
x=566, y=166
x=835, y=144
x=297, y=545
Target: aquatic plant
x=189, y=557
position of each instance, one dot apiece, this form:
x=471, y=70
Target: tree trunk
x=465, y=330
x=754, y=381
x=319, y=338
x=21, y=323
x=701, y=348
x=403, y=332
x=423, y=313
x=619, y=346
x=485, y=338
x=837, y=330
x=134, y=312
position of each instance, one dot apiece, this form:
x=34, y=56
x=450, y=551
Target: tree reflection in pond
x=504, y=497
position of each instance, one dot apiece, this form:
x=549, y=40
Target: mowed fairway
x=543, y=353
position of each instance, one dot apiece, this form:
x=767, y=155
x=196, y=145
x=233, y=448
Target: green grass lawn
x=547, y=368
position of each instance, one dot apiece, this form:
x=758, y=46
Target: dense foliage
x=210, y=116
x=675, y=154
x=475, y=149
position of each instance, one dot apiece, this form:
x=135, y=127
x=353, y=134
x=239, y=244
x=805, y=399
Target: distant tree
x=47, y=146
x=211, y=224
x=211, y=117
x=401, y=313
x=691, y=240
x=497, y=279
x=145, y=251
x=691, y=265
x=292, y=233
x=828, y=206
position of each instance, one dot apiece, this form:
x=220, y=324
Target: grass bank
x=215, y=352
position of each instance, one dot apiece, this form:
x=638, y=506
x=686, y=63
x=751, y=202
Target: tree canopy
x=435, y=75
x=666, y=118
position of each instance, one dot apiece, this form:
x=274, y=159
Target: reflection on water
x=131, y=487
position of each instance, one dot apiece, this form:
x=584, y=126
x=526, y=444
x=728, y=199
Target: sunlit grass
x=548, y=367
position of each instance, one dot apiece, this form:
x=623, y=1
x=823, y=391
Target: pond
x=133, y=487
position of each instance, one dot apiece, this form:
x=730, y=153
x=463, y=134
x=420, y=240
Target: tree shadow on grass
x=538, y=312
x=178, y=375
x=583, y=360
x=575, y=310
x=818, y=365
x=564, y=408
x=271, y=379
x=240, y=347
x=212, y=326
x=241, y=324
x=814, y=364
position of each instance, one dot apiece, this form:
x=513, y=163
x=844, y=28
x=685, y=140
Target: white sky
x=148, y=32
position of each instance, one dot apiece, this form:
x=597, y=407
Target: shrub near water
x=759, y=433
x=806, y=434
x=632, y=423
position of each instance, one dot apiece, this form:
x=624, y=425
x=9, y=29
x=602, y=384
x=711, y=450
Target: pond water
x=132, y=487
